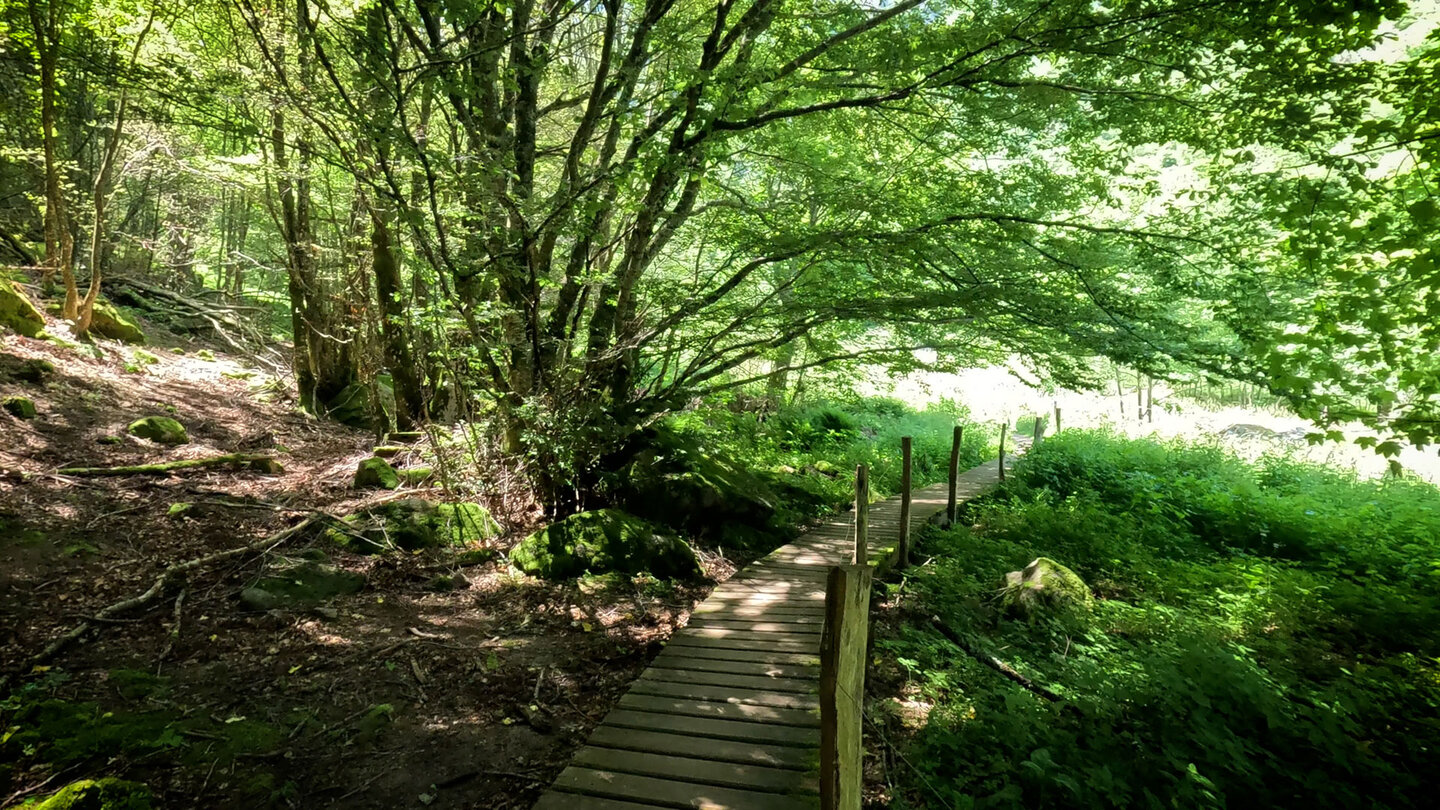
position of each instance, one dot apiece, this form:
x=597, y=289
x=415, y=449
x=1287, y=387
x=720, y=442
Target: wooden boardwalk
x=727, y=717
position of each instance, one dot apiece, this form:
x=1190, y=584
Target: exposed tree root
x=994, y=663
x=166, y=577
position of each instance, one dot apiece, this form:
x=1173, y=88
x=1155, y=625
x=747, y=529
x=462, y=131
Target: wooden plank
x=755, y=656
x=726, y=694
x=737, y=730
x=657, y=672
x=801, y=624
x=798, y=718
x=752, y=645
x=842, y=686
x=767, y=636
x=553, y=800
x=692, y=769
x=667, y=793
x=690, y=745
x=678, y=660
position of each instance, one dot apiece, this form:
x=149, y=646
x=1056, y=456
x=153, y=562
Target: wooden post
x=1057, y=417
x=954, y=472
x=1003, y=427
x=1036, y=437
x=862, y=513
x=902, y=556
x=1139, y=397
x=842, y=685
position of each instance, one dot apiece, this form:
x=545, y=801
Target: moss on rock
x=672, y=480
x=106, y=320
x=1045, y=587
x=17, y=311
x=99, y=794
x=376, y=473
x=160, y=429
x=604, y=540
x=308, y=583
x=19, y=407
x=412, y=524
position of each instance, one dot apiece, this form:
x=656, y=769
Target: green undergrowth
x=1264, y=635
x=809, y=452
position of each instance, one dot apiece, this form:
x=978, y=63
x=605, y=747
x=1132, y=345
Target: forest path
x=728, y=715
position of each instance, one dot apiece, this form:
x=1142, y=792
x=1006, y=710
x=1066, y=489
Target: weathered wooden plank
x=727, y=694
x=554, y=800
x=658, y=672
x=766, y=636
x=691, y=769
x=667, y=793
x=720, y=711
x=737, y=730
x=713, y=652
x=677, y=659
x=748, y=752
x=753, y=645
x=799, y=624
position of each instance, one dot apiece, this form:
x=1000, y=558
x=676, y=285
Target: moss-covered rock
x=267, y=465
x=415, y=476
x=672, y=480
x=99, y=794
x=412, y=524
x=160, y=429
x=389, y=450
x=604, y=540
x=19, y=407
x=302, y=585
x=17, y=311
x=376, y=473
x=353, y=406
x=1045, y=587
x=106, y=320
x=25, y=370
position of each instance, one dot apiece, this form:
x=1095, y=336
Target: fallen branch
x=171, y=466
x=166, y=576
x=994, y=663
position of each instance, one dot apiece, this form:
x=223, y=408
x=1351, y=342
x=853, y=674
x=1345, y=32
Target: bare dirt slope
x=402, y=694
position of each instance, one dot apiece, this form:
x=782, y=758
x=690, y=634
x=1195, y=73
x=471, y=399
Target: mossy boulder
x=106, y=320
x=30, y=370
x=412, y=524
x=353, y=407
x=17, y=311
x=1045, y=587
x=160, y=429
x=301, y=585
x=674, y=481
x=376, y=473
x=604, y=540
x=99, y=794
x=19, y=407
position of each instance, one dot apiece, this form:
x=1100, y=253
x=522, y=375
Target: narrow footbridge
x=728, y=716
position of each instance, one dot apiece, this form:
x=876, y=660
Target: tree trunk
x=409, y=404
x=59, y=243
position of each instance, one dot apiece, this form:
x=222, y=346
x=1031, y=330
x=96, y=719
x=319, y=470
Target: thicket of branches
x=570, y=217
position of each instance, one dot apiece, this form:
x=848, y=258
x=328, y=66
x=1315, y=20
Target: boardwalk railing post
x=954, y=473
x=902, y=552
x=1004, y=426
x=842, y=686
x=1057, y=417
x=1035, y=438
x=862, y=514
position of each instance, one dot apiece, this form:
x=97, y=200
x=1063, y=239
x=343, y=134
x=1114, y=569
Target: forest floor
x=399, y=695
